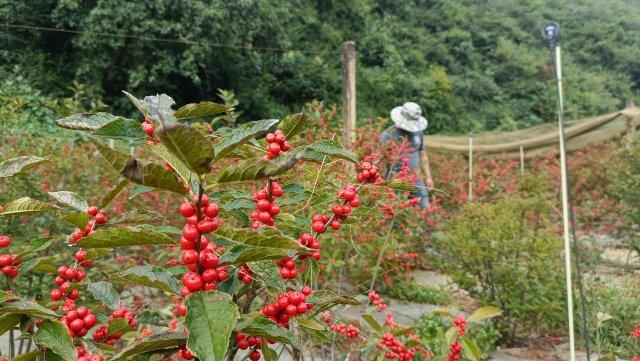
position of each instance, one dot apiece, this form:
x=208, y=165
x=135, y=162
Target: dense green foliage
x=472, y=65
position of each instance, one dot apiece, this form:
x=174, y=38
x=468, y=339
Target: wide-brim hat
x=409, y=117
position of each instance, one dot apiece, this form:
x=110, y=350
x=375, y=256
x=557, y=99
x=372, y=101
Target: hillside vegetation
x=473, y=65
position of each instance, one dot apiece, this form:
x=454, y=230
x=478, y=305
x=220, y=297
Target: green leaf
x=44, y=264
x=267, y=352
x=269, y=273
x=451, y=335
x=230, y=285
x=197, y=110
x=16, y=165
x=373, y=323
x=484, y=313
x=5, y=296
x=86, y=121
x=155, y=107
x=121, y=128
x=78, y=219
x=178, y=166
x=53, y=335
x=25, y=205
x=149, y=276
x=151, y=318
x=252, y=169
x=153, y=343
x=443, y=312
x=333, y=149
x=70, y=199
x=147, y=174
x=95, y=253
x=139, y=189
x=365, y=213
x=211, y=318
x=123, y=237
x=9, y=321
x=137, y=216
x=471, y=350
x=49, y=355
x=263, y=327
x=120, y=185
x=104, y=292
x=251, y=246
x=29, y=308
x=398, y=184
x=241, y=254
x=293, y=124
x=239, y=203
x=325, y=299
x=37, y=245
x=119, y=324
x=189, y=145
x=313, y=328
x=241, y=135
x=28, y=356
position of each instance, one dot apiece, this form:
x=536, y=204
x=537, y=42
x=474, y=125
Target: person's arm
x=426, y=169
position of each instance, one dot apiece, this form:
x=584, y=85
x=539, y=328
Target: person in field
x=409, y=125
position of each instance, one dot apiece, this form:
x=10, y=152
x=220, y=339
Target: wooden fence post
x=521, y=160
x=349, y=90
x=470, y=166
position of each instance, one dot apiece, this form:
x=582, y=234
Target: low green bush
x=414, y=292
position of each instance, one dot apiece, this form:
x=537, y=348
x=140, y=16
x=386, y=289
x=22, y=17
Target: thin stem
x=380, y=255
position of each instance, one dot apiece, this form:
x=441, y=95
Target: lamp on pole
x=550, y=34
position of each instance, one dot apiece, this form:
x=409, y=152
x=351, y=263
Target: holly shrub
x=238, y=267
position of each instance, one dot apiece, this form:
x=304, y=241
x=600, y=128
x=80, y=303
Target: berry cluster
x=461, y=323
x=369, y=173
x=348, y=330
x=309, y=241
x=198, y=254
x=288, y=305
x=8, y=262
x=244, y=341
x=66, y=275
x=277, y=143
x=97, y=217
x=375, y=300
x=455, y=351
x=287, y=268
x=101, y=332
x=395, y=348
x=185, y=353
x=78, y=321
x=83, y=356
x=635, y=334
x=245, y=275
x=266, y=204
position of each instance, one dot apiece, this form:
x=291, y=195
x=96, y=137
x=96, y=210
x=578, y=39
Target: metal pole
x=521, y=160
x=470, y=166
x=565, y=205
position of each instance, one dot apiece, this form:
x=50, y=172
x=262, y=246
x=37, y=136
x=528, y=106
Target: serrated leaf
x=151, y=318
x=263, y=327
x=471, y=350
x=294, y=198
x=123, y=237
x=239, y=203
x=242, y=254
x=153, y=343
x=230, y=285
x=121, y=128
x=104, y=292
x=36, y=245
x=451, y=335
x=147, y=174
x=363, y=212
x=325, y=299
x=333, y=149
x=149, y=276
x=28, y=356
x=178, y=166
x=25, y=205
x=49, y=355
x=16, y=165
x=241, y=135
x=8, y=321
x=313, y=328
x=137, y=216
x=153, y=106
x=70, y=199
x=293, y=124
x=268, y=353
x=138, y=190
x=252, y=169
x=373, y=323
x=189, y=145
x=263, y=237
x=269, y=273
x=44, y=264
x=78, y=219
x=398, y=184
x=484, y=313
x=86, y=121
x=28, y=308
x=121, y=184
x=54, y=336
x=197, y=110
x=240, y=216
x=117, y=325
x=95, y=253
x=211, y=318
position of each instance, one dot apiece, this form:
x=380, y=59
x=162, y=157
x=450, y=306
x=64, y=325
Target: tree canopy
x=472, y=65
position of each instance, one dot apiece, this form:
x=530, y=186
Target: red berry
x=82, y=311
x=80, y=255
x=355, y=202
x=5, y=260
x=187, y=210
x=10, y=271
x=187, y=244
x=73, y=294
x=101, y=218
x=335, y=224
x=275, y=209
x=255, y=354
x=318, y=227
x=5, y=241
x=190, y=232
x=192, y=281
x=274, y=148
x=186, y=354
x=306, y=290
x=209, y=260
x=212, y=210
x=243, y=344
x=270, y=137
x=264, y=205
x=93, y=211
x=56, y=294
x=189, y=256
x=76, y=325
x=209, y=275
x=182, y=309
